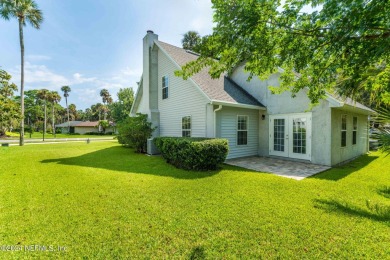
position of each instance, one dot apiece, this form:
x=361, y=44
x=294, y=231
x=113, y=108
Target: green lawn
x=101, y=200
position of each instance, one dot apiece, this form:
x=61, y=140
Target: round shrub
x=193, y=153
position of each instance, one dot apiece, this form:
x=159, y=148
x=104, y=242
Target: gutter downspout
x=215, y=119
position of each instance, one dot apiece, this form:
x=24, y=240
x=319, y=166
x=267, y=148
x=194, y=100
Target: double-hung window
x=354, y=130
x=343, y=130
x=186, y=126
x=165, y=83
x=242, y=130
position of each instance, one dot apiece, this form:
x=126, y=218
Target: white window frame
x=343, y=131
x=165, y=86
x=354, y=130
x=189, y=130
x=242, y=130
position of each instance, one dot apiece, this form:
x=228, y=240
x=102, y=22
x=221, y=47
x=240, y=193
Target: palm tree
x=43, y=94
x=73, y=112
x=191, y=41
x=107, y=99
x=23, y=10
x=66, y=90
x=54, y=98
x=383, y=118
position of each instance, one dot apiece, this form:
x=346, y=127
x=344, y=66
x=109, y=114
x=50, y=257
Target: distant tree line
x=43, y=111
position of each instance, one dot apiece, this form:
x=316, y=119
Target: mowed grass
x=102, y=201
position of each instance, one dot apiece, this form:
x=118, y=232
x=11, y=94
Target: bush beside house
x=134, y=132
x=193, y=153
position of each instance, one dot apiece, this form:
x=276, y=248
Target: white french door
x=290, y=135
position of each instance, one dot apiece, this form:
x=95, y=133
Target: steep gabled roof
x=223, y=89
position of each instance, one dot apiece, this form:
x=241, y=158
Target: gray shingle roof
x=71, y=123
x=350, y=102
x=222, y=89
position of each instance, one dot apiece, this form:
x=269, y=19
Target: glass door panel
x=279, y=132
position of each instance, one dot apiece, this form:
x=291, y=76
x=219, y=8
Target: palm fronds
x=383, y=135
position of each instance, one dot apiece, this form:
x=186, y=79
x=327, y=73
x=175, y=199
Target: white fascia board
x=231, y=104
x=333, y=102
x=179, y=67
x=358, y=110
x=138, y=95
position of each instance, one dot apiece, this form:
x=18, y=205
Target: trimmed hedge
x=193, y=153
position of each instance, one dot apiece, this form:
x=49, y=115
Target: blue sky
x=95, y=44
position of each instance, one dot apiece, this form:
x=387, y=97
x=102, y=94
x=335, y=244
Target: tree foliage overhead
x=342, y=46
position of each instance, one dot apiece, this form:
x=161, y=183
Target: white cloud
x=40, y=74
x=131, y=72
x=85, y=96
x=79, y=79
x=35, y=58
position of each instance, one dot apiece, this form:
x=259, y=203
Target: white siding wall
x=256, y=87
x=341, y=154
x=185, y=99
x=87, y=129
x=285, y=104
x=82, y=129
x=227, y=128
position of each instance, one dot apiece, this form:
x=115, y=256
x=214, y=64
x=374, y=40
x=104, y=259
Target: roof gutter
x=231, y=104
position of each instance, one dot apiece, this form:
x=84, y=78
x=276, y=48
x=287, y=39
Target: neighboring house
x=80, y=127
x=71, y=125
x=254, y=121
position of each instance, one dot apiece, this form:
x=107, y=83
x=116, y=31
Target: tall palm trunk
x=105, y=112
x=53, y=126
x=21, y=141
x=44, y=123
x=67, y=109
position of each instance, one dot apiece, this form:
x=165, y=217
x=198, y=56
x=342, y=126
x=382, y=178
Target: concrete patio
x=285, y=168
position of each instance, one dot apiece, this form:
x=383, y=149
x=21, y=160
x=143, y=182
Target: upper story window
x=165, y=84
x=354, y=130
x=343, y=130
x=242, y=130
x=186, y=126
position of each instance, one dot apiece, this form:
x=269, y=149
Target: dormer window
x=165, y=83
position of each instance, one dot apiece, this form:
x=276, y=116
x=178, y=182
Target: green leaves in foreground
x=341, y=46
x=383, y=136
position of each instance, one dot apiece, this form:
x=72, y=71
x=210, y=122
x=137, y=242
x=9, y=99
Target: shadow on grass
x=384, y=191
x=372, y=212
x=125, y=160
x=339, y=172
x=197, y=253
